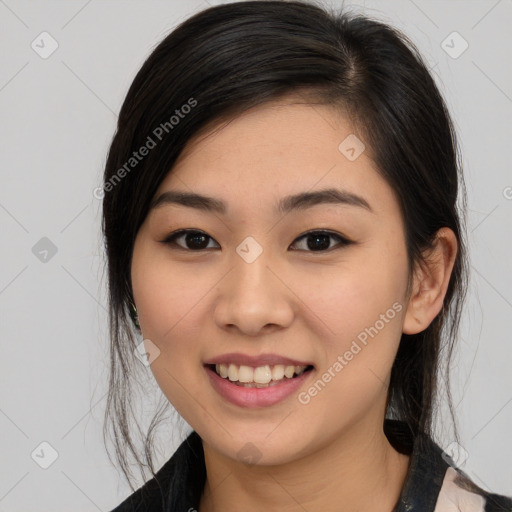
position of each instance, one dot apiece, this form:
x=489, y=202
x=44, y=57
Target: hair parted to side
x=229, y=58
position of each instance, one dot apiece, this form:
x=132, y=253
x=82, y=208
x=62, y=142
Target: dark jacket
x=432, y=483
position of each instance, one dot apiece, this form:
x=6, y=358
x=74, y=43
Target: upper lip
x=259, y=360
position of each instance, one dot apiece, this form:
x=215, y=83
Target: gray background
x=57, y=118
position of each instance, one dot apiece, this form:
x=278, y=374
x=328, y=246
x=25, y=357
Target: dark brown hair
x=227, y=59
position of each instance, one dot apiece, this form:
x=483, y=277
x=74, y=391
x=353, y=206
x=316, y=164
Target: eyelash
x=171, y=239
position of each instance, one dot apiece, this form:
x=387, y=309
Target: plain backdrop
x=58, y=115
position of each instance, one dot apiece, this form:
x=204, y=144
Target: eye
x=320, y=241
x=195, y=240
x=191, y=239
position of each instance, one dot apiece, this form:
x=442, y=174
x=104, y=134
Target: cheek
x=362, y=307
x=168, y=301
x=353, y=295
x=163, y=291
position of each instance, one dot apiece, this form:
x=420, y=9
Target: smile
x=259, y=377
x=257, y=386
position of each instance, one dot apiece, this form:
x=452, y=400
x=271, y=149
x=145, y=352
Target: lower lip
x=255, y=397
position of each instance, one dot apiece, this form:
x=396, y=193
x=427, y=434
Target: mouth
x=258, y=377
x=255, y=381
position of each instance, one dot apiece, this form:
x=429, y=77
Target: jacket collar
x=421, y=488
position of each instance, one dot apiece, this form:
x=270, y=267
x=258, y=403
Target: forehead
x=270, y=129
x=276, y=149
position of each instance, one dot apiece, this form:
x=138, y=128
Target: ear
x=430, y=282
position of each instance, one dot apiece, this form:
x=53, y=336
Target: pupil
x=320, y=242
x=197, y=240
x=315, y=242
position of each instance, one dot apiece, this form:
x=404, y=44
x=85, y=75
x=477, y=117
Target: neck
x=357, y=471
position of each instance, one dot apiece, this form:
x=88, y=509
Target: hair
x=227, y=59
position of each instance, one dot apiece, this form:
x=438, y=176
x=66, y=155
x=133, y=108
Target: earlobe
x=430, y=282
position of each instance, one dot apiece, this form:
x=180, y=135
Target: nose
x=253, y=298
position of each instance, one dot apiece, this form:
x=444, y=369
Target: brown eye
x=313, y=241
x=189, y=239
x=320, y=241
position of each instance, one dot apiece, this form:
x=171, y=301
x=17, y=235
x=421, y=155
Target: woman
x=281, y=224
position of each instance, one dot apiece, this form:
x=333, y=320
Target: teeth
x=301, y=370
x=233, y=373
x=222, y=370
x=278, y=372
x=261, y=376
x=289, y=371
x=245, y=374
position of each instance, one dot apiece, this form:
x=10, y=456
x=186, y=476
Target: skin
x=330, y=454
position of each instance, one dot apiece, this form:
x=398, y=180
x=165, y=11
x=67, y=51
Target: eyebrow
x=287, y=204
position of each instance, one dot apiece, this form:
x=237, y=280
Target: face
x=274, y=275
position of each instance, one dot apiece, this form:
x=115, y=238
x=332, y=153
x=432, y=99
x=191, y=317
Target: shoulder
x=151, y=497
x=459, y=494
x=176, y=485
x=434, y=483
